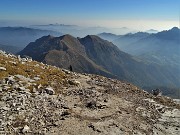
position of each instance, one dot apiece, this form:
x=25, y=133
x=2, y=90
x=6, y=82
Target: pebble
x=49, y=90
x=25, y=129
x=2, y=69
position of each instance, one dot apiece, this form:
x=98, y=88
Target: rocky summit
x=36, y=98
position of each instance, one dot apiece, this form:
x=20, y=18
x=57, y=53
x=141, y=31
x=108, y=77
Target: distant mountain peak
x=152, y=31
x=48, y=37
x=108, y=36
x=175, y=29
x=138, y=34
x=92, y=36
x=67, y=36
x=141, y=33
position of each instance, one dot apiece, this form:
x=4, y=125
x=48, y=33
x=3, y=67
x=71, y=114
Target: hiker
x=70, y=68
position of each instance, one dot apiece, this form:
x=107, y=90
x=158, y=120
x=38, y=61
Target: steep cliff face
x=40, y=99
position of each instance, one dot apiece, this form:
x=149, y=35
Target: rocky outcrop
x=40, y=99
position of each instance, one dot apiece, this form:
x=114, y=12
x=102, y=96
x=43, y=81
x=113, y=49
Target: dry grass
x=49, y=75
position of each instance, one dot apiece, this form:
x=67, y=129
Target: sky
x=136, y=14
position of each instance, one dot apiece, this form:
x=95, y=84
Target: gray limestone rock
x=50, y=91
x=2, y=69
x=26, y=129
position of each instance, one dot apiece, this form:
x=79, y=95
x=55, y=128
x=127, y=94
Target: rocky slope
x=40, y=99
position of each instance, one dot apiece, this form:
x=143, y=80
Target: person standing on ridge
x=70, y=68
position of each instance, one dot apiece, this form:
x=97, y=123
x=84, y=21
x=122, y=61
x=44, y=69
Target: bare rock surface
x=40, y=99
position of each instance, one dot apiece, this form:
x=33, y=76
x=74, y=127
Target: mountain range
x=125, y=38
x=81, y=31
x=161, y=48
x=21, y=36
x=92, y=54
x=129, y=38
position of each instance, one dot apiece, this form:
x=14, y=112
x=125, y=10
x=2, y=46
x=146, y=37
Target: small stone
x=65, y=107
x=66, y=71
x=26, y=120
x=91, y=104
x=49, y=91
x=71, y=82
x=74, y=82
x=5, y=108
x=6, y=88
x=2, y=69
x=15, y=86
x=34, y=91
x=65, y=113
x=56, y=123
x=36, y=78
x=10, y=117
x=13, y=62
x=25, y=129
x=22, y=88
x=10, y=80
x=39, y=86
x=42, y=123
x=105, y=100
x=19, y=57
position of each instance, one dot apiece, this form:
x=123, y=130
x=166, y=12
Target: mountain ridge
x=66, y=49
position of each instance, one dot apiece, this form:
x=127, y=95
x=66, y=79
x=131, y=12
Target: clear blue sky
x=109, y=13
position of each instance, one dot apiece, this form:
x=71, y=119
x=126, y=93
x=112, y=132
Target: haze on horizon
x=134, y=14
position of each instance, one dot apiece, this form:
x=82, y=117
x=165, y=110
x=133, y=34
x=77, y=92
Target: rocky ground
x=40, y=99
